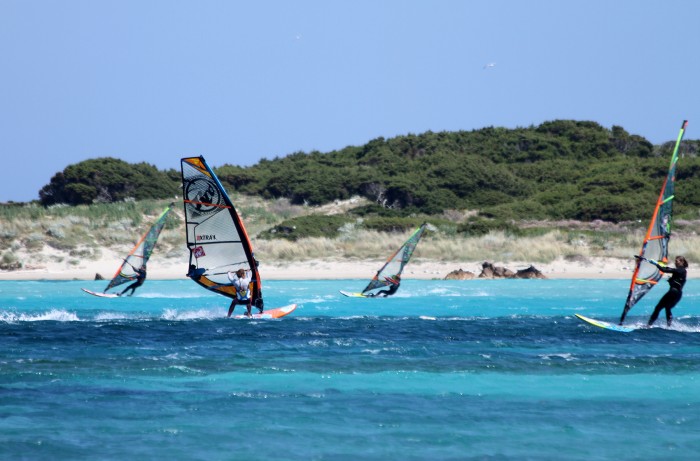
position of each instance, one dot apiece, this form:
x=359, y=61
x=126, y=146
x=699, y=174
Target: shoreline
x=174, y=269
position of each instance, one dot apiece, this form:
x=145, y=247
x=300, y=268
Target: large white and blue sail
x=216, y=238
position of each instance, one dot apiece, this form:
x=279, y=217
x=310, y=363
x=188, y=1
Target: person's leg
x=655, y=314
x=672, y=301
x=231, y=307
x=130, y=287
x=669, y=316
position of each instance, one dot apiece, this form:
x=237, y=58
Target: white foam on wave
x=110, y=316
x=199, y=314
x=56, y=315
x=442, y=291
x=355, y=317
x=562, y=355
x=680, y=327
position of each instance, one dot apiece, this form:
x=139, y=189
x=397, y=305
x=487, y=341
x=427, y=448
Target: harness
x=242, y=290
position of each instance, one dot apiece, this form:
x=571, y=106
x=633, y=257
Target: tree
x=107, y=180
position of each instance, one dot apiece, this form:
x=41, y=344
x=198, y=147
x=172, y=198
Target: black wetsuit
x=384, y=293
x=140, y=278
x=673, y=295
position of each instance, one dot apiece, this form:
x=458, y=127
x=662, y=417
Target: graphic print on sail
x=655, y=244
x=393, y=267
x=138, y=257
x=216, y=237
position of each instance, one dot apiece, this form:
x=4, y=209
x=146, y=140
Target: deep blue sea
x=444, y=370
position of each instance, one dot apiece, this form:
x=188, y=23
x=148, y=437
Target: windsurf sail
x=393, y=267
x=216, y=237
x=655, y=245
x=138, y=257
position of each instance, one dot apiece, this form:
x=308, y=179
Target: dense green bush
x=561, y=169
x=105, y=180
x=392, y=224
x=307, y=226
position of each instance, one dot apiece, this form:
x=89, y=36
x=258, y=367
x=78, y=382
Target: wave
x=57, y=315
x=199, y=314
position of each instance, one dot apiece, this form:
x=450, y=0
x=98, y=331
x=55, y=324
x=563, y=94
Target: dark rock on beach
x=529, y=273
x=460, y=274
x=490, y=271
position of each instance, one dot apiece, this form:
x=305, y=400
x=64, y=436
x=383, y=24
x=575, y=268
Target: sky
x=238, y=81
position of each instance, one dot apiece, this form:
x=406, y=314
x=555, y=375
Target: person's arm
x=668, y=269
x=662, y=268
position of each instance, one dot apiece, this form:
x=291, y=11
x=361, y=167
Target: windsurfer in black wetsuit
x=140, y=278
x=675, y=291
x=393, y=287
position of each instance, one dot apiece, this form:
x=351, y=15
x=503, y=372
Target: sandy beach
x=161, y=268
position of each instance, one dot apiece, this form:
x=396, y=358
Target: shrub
x=307, y=226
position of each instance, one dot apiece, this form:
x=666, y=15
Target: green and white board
x=605, y=325
x=352, y=295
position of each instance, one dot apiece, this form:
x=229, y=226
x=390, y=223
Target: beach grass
x=31, y=234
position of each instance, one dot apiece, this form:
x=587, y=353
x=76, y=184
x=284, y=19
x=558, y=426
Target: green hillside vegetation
x=562, y=189
x=559, y=170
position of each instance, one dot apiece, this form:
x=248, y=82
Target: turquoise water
x=445, y=370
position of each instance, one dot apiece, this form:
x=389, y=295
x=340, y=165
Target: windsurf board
x=605, y=325
x=101, y=295
x=352, y=295
x=270, y=313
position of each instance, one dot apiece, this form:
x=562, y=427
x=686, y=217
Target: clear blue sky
x=235, y=81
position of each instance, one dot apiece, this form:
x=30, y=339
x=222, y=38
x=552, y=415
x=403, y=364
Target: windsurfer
x=675, y=291
x=241, y=283
x=395, y=281
x=140, y=278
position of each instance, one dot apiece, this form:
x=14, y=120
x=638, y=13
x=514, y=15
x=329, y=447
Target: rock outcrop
x=459, y=274
x=490, y=271
x=529, y=273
